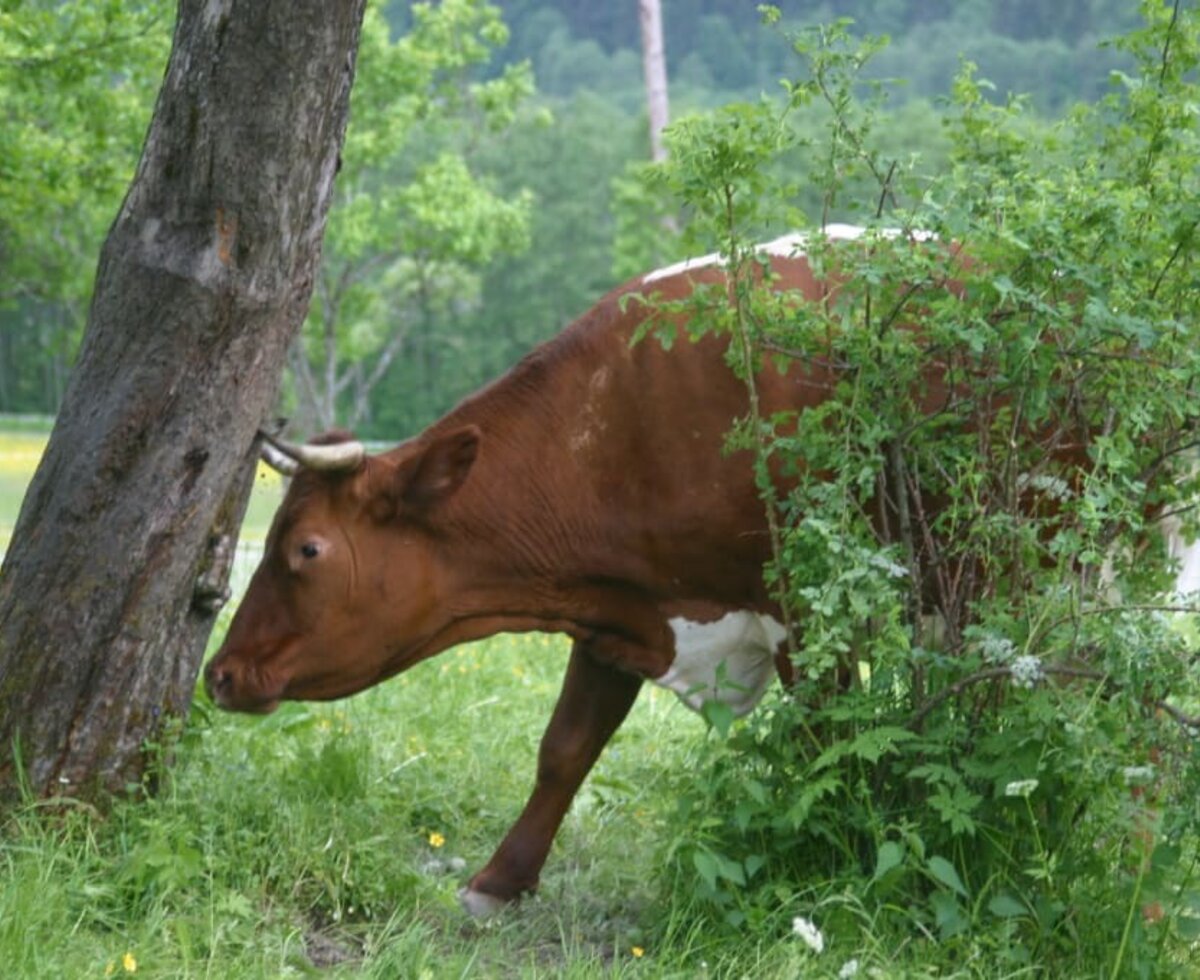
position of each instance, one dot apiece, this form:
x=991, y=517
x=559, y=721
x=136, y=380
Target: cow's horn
x=278, y=461
x=288, y=458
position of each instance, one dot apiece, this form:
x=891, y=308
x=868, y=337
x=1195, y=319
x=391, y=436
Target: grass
x=330, y=840
x=304, y=842
x=22, y=447
x=19, y=455
x=336, y=836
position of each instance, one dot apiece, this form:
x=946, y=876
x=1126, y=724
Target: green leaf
x=1004, y=905
x=732, y=870
x=870, y=745
x=1188, y=928
x=943, y=872
x=706, y=865
x=955, y=807
x=948, y=914
x=719, y=715
x=890, y=855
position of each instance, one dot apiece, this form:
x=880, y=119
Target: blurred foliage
x=76, y=82
x=993, y=734
x=413, y=221
x=474, y=216
x=712, y=45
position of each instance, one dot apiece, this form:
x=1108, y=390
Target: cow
x=585, y=492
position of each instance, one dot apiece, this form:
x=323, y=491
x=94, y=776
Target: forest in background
x=480, y=209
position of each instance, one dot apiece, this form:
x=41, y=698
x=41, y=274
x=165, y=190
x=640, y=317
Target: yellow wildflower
x=637, y=952
x=128, y=963
x=436, y=839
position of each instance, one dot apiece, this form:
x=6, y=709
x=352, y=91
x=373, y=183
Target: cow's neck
x=533, y=552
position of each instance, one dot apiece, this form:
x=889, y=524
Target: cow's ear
x=437, y=472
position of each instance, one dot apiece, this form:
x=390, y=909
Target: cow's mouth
x=230, y=691
x=253, y=708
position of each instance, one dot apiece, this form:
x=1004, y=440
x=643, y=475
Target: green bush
x=989, y=744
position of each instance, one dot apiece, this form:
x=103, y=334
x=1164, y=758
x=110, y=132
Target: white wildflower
x=1051, y=486
x=1138, y=775
x=1026, y=671
x=996, y=649
x=806, y=929
x=849, y=969
x=1021, y=787
x=889, y=567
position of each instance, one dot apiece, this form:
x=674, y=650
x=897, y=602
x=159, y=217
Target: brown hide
x=585, y=492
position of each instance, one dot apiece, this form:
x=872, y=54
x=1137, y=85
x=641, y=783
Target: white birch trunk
x=654, y=67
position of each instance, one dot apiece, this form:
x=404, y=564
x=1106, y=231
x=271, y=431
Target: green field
x=21, y=450
x=331, y=840
x=19, y=455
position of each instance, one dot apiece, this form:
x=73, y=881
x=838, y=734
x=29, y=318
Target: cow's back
x=621, y=446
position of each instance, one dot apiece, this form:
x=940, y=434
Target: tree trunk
x=120, y=557
x=654, y=68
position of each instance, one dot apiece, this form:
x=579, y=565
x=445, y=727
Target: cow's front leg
x=594, y=701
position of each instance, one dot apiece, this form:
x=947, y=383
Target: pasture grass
x=19, y=455
x=21, y=448
x=330, y=840
x=334, y=838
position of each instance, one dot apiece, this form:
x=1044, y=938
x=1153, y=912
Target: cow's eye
x=310, y=549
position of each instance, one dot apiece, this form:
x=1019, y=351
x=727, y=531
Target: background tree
x=654, y=70
x=76, y=81
x=411, y=223
x=119, y=558
x=525, y=298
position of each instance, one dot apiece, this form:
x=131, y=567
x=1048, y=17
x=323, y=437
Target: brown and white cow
x=585, y=492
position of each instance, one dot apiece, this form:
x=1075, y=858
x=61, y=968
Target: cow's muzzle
x=229, y=691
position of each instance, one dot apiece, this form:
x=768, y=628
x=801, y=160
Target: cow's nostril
x=219, y=681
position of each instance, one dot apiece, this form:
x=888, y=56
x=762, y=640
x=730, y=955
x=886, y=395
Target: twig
x=1185, y=239
x=1159, y=607
x=996, y=673
x=991, y=674
x=886, y=190
x=767, y=493
x=1162, y=73
x=1188, y=721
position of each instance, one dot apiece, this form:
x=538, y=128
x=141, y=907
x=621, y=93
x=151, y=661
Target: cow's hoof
x=480, y=905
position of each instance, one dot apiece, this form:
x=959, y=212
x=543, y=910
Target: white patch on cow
x=730, y=660
x=791, y=245
x=794, y=244
x=786, y=246
x=851, y=232
x=479, y=905
x=685, y=266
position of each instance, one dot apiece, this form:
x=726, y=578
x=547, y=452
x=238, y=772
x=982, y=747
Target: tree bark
x=120, y=556
x=654, y=68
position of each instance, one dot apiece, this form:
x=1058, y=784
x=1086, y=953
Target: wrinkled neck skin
x=586, y=492
x=600, y=503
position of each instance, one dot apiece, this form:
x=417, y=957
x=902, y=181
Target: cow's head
x=352, y=584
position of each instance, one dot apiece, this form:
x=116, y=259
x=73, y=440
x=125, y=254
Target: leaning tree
x=119, y=559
